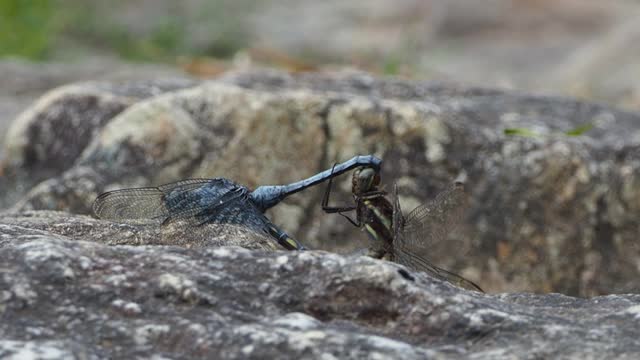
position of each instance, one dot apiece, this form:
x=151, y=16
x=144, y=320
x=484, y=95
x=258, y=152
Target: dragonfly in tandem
x=198, y=202
x=399, y=238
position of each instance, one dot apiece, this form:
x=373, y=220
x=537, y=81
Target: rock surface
x=65, y=294
x=23, y=82
x=548, y=213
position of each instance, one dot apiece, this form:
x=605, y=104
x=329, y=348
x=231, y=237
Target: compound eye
x=368, y=179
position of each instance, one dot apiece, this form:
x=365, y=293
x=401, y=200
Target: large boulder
x=25, y=81
x=549, y=212
x=48, y=137
x=65, y=294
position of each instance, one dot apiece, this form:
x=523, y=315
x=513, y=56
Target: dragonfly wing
x=131, y=204
x=416, y=262
x=201, y=208
x=179, y=200
x=432, y=222
x=398, y=219
x=223, y=202
x=412, y=235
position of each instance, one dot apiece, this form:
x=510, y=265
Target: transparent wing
x=188, y=200
x=416, y=262
x=398, y=219
x=413, y=234
x=430, y=223
x=140, y=203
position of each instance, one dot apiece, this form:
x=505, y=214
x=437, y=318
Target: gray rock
x=548, y=213
x=137, y=233
x=47, y=138
x=24, y=81
x=62, y=296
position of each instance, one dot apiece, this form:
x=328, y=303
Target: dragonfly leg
x=355, y=223
x=325, y=200
x=337, y=209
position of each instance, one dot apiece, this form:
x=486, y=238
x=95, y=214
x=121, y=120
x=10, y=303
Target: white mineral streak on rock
x=150, y=332
x=633, y=311
x=298, y=321
x=281, y=260
x=40, y=350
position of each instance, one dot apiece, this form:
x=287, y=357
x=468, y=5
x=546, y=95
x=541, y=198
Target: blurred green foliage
x=391, y=66
x=520, y=132
x=161, y=43
x=27, y=28
x=577, y=131
x=45, y=29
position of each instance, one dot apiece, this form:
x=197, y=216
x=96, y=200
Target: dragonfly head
x=365, y=179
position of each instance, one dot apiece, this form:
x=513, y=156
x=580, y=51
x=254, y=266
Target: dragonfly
x=399, y=238
x=197, y=203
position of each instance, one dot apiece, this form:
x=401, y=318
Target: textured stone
x=548, y=213
x=137, y=233
x=24, y=81
x=62, y=296
x=65, y=296
x=48, y=137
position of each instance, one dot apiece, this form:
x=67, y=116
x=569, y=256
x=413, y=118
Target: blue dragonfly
x=195, y=203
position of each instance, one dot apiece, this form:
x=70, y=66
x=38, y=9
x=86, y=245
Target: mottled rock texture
x=548, y=213
x=63, y=297
x=23, y=81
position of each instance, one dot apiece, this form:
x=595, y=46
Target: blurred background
x=583, y=48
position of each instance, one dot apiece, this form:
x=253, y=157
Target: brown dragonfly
x=399, y=238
